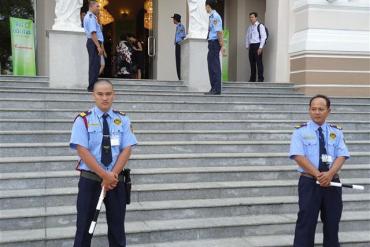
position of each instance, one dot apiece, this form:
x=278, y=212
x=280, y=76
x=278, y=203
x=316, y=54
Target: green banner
x=225, y=57
x=23, y=46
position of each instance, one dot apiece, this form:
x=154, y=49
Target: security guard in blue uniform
x=320, y=152
x=94, y=42
x=179, y=36
x=103, y=140
x=215, y=44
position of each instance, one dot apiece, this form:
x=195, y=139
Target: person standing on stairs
x=103, y=140
x=179, y=36
x=320, y=152
x=215, y=45
x=94, y=42
x=255, y=40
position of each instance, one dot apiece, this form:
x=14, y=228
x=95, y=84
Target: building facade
x=320, y=45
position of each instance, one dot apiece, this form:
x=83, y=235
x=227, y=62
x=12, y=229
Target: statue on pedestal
x=67, y=14
x=198, y=19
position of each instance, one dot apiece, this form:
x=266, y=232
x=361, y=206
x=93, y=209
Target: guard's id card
x=114, y=140
x=326, y=158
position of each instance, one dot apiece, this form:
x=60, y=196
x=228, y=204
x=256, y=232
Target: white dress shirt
x=252, y=36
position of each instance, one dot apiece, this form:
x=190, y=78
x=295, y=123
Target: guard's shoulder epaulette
x=120, y=112
x=83, y=114
x=335, y=126
x=300, y=125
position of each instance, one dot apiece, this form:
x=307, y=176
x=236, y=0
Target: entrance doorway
x=127, y=24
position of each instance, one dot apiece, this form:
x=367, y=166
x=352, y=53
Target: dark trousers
x=312, y=199
x=214, y=66
x=178, y=60
x=255, y=60
x=94, y=62
x=115, y=204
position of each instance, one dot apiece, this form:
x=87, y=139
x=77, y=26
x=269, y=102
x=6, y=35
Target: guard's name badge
x=114, y=140
x=326, y=158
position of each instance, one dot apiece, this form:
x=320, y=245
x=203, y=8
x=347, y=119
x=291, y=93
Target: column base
x=68, y=59
x=194, y=67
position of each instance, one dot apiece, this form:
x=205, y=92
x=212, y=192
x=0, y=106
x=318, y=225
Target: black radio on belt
x=127, y=182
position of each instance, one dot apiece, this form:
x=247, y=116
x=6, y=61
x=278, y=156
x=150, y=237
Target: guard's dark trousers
x=178, y=60
x=255, y=60
x=115, y=204
x=94, y=63
x=312, y=199
x=214, y=66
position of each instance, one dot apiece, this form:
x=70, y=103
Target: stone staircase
x=209, y=170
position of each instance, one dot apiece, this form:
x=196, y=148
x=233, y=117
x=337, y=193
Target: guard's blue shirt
x=215, y=25
x=91, y=25
x=91, y=138
x=180, y=33
x=305, y=142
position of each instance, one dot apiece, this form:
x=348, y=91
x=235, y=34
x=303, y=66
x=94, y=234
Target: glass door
x=149, y=25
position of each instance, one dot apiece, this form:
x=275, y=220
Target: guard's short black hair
x=211, y=3
x=322, y=97
x=103, y=81
x=253, y=13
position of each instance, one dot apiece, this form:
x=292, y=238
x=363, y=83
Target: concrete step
x=57, y=163
x=35, y=84
x=165, y=89
x=145, y=232
x=55, y=94
x=191, y=123
x=226, y=89
x=23, y=78
x=24, y=81
x=37, y=136
x=346, y=239
x=21, y=219
x=166, y=105
x=189, y=115
x=118, y=82
x=146, y=82
x=69, y=178
x=245, y=89
x=168, y=147
x=257, y=84
x=11, y=199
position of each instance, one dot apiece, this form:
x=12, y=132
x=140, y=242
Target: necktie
x=106, y=148
x=323, y=166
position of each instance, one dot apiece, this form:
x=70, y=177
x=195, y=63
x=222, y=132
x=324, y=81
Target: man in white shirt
x=254, y=41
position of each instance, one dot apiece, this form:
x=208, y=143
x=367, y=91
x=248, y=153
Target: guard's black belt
x=95, y=177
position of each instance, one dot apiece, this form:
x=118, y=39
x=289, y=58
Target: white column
x=194, y=66
x=68, y=59
x=276, y=57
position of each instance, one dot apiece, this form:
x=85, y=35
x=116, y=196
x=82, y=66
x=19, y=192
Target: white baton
x=352, y=186
x=97, y=211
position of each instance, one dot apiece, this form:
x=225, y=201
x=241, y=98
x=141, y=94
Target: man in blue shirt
x=179, y=36
x=103, y=140
x=94, y=42
x=215, y=44
x=320, y=152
